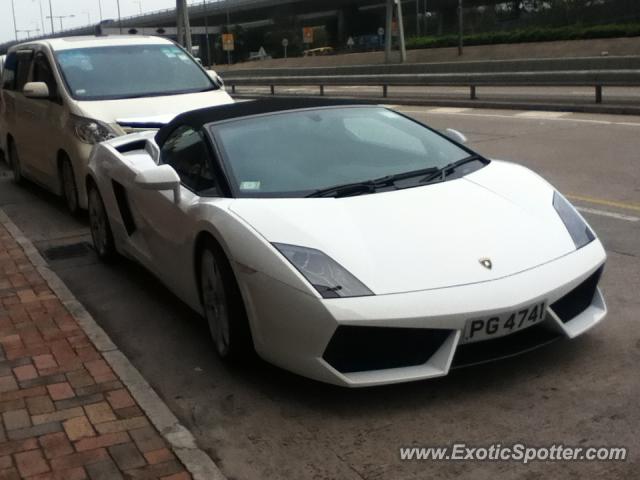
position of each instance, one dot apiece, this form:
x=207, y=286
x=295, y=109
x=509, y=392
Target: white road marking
x=515, y=116
x=603, y=213
x=448, y=110
x=541, y=114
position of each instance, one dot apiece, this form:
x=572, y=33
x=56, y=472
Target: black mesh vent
x=507, y=346
x=123, y=205
x=577, y=300
x=361, y=349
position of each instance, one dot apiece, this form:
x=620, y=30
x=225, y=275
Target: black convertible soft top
x=197, y=118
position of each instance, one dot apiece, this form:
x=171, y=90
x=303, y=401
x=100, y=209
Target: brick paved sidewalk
x=65, y=414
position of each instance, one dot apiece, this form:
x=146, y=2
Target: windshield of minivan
x=130, y=71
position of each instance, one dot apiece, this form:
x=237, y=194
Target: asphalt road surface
x=259, y=422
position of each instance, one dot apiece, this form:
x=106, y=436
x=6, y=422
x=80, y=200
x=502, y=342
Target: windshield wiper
x=441, y=174
x=369, y=186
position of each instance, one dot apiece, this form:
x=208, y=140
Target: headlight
x=91, y=131
x=576, y=226
x=328, y=277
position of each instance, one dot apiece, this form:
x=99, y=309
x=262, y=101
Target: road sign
x=307, y=34
x=228, y=44
x=285, y=42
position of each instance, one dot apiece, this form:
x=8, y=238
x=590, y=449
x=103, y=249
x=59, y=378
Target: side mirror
x=159, y=179
x=217, y=79
x=455, y=135
x=36, y=90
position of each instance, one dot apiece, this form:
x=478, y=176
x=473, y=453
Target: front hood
x=427, y=237
x=149, y=110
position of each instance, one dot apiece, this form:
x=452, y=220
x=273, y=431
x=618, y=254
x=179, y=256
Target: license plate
x=479, y=329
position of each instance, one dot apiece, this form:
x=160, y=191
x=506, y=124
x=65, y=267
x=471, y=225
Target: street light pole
x=41, y=17
x=100, y=9
x=403, y=46
x=119, y=17
x=28, y=32
x=387, y=33
x=425, y=18
x=51, y=17
x=60, y=17
x=206, y=32
x=15, y=26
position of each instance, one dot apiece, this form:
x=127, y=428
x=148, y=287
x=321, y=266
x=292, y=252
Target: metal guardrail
x=542, y=73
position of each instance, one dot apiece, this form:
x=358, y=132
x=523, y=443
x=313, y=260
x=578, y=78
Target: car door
x=47, y=119
x=168, y=226
x=19, y=107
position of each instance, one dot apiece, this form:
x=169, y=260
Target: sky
x=28, y=13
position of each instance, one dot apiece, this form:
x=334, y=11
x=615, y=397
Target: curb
x=488, y=104
x=181, y=440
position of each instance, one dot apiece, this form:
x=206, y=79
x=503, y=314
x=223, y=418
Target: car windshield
x=295, y=154
x=129, y=71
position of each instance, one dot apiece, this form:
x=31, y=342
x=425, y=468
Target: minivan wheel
x=223, y=306
x=14, y=162
x=100, y=228
x=69, y=189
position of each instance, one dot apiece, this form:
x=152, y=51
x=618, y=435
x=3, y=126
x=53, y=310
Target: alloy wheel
x=98, y=223
x=216, y=303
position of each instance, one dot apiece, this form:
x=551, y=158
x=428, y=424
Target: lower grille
x=361, y=349
x=577, y=300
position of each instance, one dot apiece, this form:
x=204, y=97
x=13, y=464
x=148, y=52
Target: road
x=259, y=422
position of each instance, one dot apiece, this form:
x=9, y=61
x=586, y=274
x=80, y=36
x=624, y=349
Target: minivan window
x=24, y=66
x=131, y=71
x=42, y=73
x=9, y=72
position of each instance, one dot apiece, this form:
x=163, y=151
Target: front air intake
x=361, y=349
x=577, y=300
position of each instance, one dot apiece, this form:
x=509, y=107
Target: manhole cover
x=67, y=251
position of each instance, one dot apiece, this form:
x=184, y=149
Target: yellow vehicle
x=318, y=51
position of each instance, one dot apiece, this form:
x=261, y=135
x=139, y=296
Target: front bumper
x=298, y=332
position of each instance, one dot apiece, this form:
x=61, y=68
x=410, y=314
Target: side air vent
x=132, y=147
x=123, y=205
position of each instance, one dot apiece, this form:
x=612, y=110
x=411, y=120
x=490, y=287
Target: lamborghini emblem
x=486, y=263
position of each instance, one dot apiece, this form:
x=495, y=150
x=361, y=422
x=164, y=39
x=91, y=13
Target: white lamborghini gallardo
x=346, y=243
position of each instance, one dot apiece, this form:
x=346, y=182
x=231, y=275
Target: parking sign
x=228, y=44
x=307, y=34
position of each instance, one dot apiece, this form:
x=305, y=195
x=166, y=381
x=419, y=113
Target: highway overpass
x=343, y=17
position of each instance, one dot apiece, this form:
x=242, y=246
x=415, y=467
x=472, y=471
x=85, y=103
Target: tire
x=101, y=232
x=14, y=162
x=69, y=187
x=223, y=305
